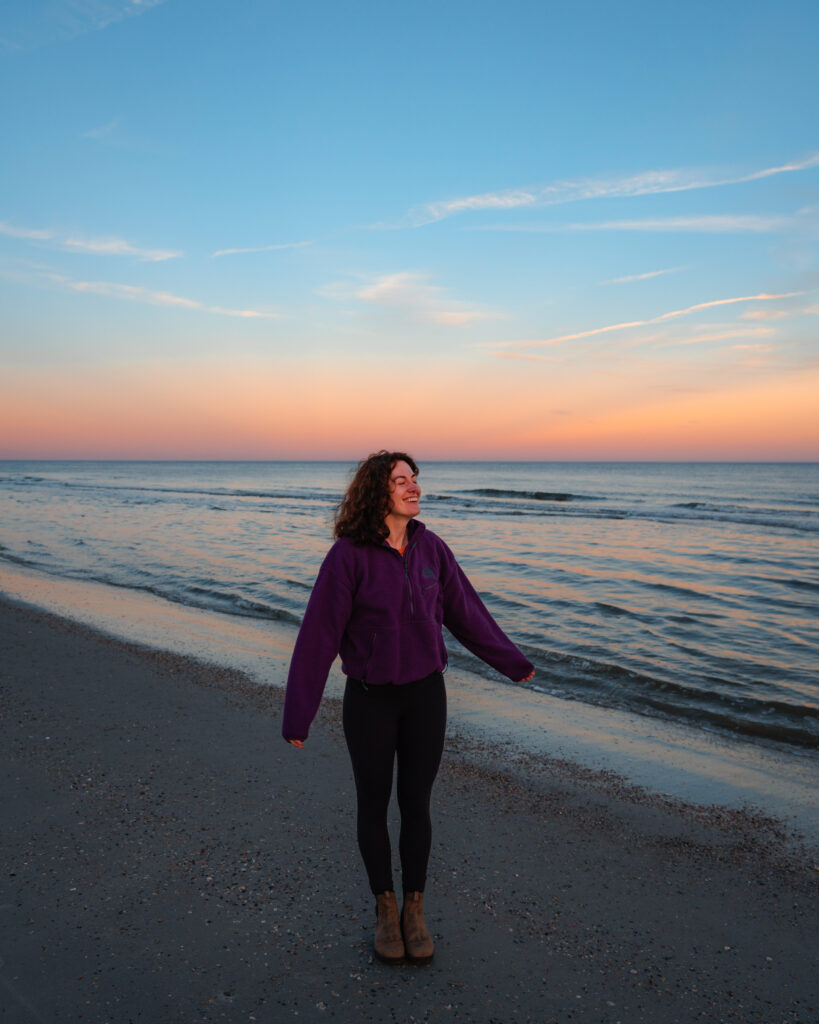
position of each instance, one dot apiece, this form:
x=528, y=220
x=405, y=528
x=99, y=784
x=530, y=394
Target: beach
x=683, y=593
x=359, y=344
x=168, y=858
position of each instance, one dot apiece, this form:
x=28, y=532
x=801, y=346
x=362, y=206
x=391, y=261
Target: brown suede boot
x=388, y=945
x=417, y=940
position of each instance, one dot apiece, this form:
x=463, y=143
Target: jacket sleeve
x=469, y=621
x=317, y=644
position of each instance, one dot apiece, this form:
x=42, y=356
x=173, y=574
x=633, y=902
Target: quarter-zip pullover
x=383, y=611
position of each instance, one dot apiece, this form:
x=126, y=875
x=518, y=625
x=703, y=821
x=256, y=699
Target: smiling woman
x=367, y=514
x=405, y=495
x=381, y=597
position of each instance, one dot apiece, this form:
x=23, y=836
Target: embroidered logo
x=428, y=573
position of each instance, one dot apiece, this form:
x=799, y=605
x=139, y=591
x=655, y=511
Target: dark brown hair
x=363, y=509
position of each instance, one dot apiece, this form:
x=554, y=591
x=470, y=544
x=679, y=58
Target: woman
x=380, y=598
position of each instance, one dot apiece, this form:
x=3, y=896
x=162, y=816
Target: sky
x=501, y=230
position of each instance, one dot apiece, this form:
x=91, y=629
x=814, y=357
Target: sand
x=168, y=858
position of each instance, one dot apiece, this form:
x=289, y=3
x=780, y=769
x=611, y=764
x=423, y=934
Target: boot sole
x=419, y=961
x=392, y=961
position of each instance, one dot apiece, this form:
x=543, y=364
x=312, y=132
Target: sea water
x=682, y=591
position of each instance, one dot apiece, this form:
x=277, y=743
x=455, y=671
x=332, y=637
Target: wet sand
x=685, y=762
x=167, y=857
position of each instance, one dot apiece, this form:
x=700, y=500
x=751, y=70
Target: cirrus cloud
x=39, y=24
x=722, y=224
x=133, y=293
x=674, y=314
x=118, y=247
x=89, y=246
x=260, y=248
x=572, y=190
x=631, y=278
x=411, y=294
x=36, y=234
x=136, y=293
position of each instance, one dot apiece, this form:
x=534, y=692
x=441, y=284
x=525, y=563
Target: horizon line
x=431, y=461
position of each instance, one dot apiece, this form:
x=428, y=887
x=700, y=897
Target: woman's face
x=405, y=494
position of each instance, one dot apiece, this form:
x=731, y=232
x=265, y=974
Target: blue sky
x=557, y=224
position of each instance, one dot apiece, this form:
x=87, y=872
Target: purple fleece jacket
x=383, y=613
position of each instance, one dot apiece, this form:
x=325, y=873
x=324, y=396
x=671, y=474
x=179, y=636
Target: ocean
x=682, y=591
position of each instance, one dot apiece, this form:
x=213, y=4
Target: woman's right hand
x=297, y=743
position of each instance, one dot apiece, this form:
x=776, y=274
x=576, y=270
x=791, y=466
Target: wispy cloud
x=662, y=318
x=765, y=314
x=118, y=247
x=708, y=224
x=102, y=131
x=630, y=278
x=91, y=246
x=60, y=20
x=37, y=234
x=746, y=332
x=260, y=248
x=573, y=190
x=411, y=292
x=136, y=293
x=133, y=293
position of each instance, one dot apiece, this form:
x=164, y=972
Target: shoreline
x=671, y=761
x=168, y=856
x=466, y=749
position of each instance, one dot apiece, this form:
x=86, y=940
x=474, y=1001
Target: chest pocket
x=430, y=590
x=431, y=599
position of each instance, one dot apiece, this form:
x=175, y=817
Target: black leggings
x=380, y=722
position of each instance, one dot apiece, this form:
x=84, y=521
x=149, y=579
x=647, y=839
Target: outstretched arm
x=469, y=621
x=317, y=644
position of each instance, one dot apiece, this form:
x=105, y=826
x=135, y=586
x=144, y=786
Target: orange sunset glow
x=469, y=264
x=251, y=411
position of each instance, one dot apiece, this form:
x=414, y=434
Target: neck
x=397, y=525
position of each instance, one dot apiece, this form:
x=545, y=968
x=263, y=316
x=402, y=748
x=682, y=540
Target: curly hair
x=362, y=511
